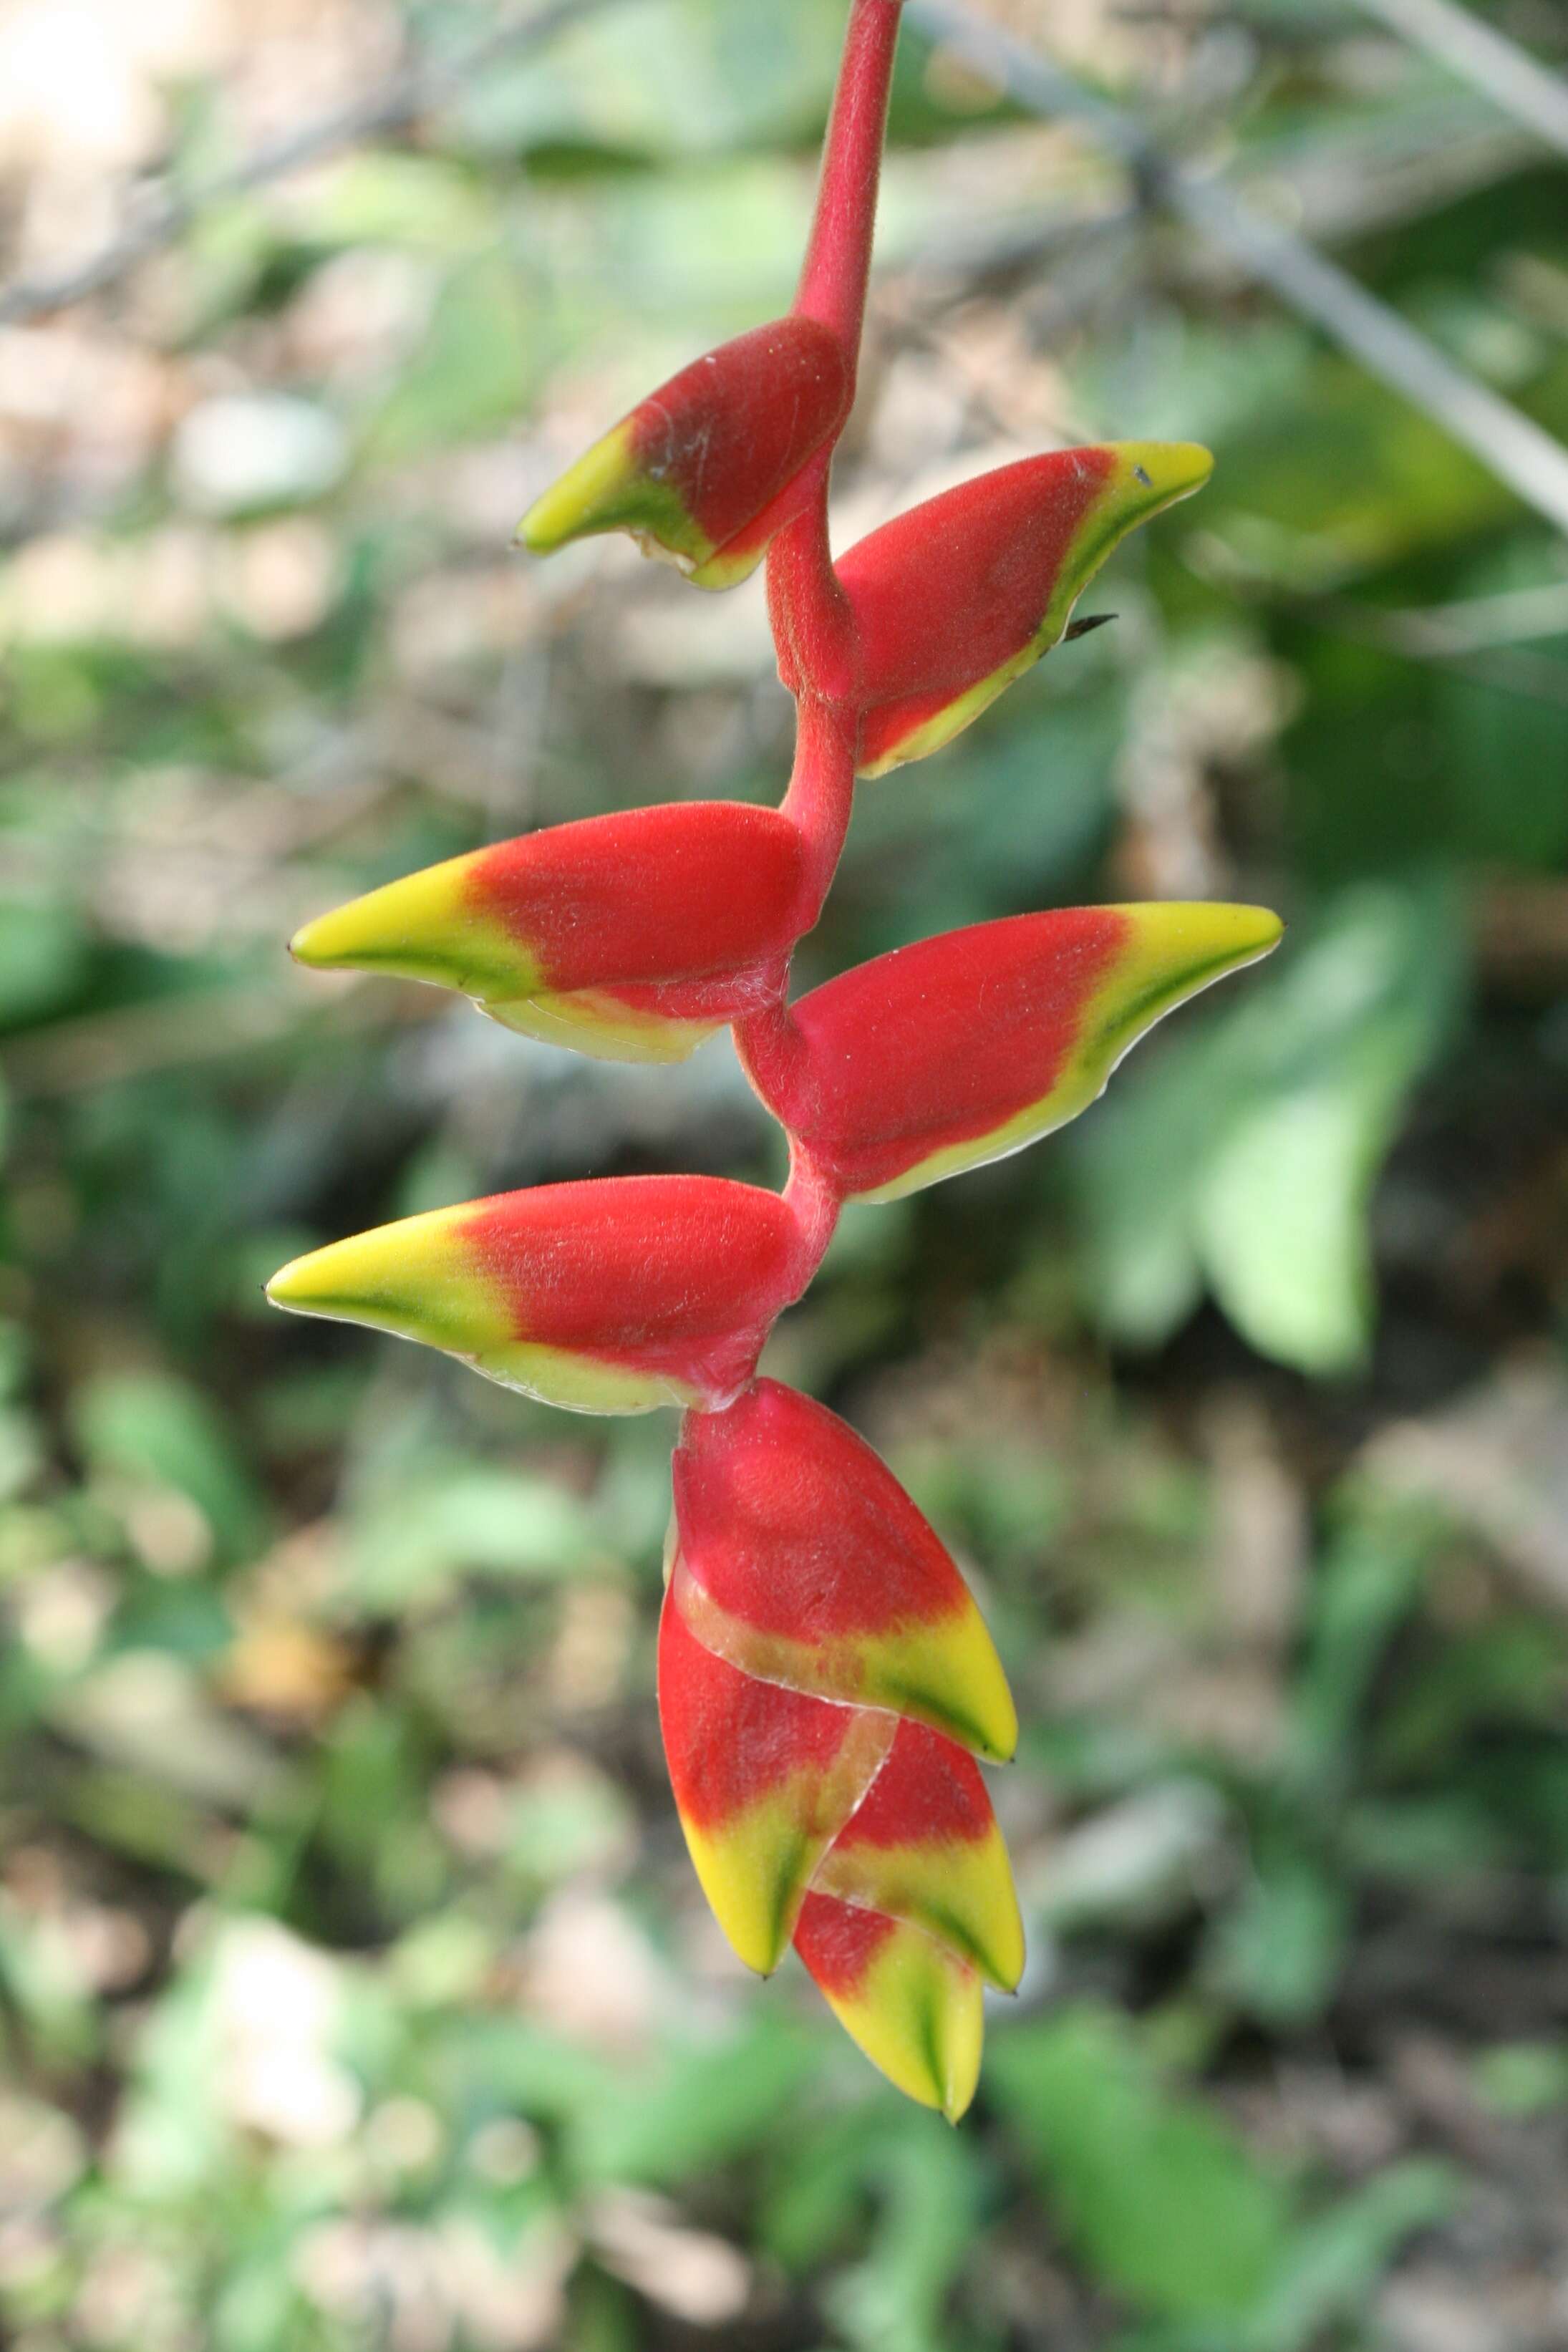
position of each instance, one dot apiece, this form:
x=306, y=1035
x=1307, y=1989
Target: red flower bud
x=957, y=598
x=708, y=468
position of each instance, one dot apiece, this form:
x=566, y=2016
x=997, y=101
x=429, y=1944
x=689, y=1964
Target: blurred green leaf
x=1279, y=1952
x=663, y=78
x=928, y=2191
x=1524, y=2078
x=43, y=960
x=476, y=368
x=1337, y=2258
x=150, y=1425
x=1282, y=1215
x=1163, y=2202
x=1370, y=1580
x=411, y=1542
x=425, y=203
x=701, y=2107
x=1248, y=1152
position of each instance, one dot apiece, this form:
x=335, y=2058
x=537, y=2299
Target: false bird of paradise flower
x=826, y=1682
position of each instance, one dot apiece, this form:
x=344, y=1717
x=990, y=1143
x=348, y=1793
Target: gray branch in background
x=1479, y=54
x=425, y=83
x=1512, y=446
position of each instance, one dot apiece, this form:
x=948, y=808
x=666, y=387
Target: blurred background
x=354, y=1987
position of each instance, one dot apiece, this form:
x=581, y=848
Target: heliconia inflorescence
x=827, y=1682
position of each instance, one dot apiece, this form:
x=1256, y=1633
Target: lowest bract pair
x=826, y=1681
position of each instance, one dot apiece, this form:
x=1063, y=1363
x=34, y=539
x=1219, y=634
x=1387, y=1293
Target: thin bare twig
x=1511, y=617
x=1479, y=54
x=425, y=83
x=1509, y=445
x=1484, y=639
x=208, y=1024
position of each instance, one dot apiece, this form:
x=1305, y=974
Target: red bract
x=798, y=1557
x=631, y=937
x=957, y=598
x=707, y=468
x=965, y=1047
x=823, y=1674
x=825, y=1680
x=612, y=1297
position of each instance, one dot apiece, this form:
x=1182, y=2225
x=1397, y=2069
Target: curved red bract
x=947, y=595
x=929, y=1788
x=681, y=1275
x=649, y=896
x=790, y=1520
x=934, y=1044
x=839, y=1942
x=729, y=1738
x=731, y=432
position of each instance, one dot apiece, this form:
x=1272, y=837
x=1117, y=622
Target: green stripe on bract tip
x=609, y=489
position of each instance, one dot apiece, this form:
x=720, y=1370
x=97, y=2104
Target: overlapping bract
x=800, y=1558
x=824, y=1676
x=826, y=1681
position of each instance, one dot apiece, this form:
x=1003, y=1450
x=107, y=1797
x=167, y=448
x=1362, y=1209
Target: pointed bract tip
x=599, y=492
x=914, y=2008
x=330, y=942
x=1154, y=474
x=1205, y=932
x=417, y=1278
x=1001, y=1745
x=422, y=927
x=341, y=1279
x=299, y=1285
x=1176, y=948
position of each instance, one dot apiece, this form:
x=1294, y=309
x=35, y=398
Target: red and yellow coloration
x=960, y=1049
x=924, y=1847
x=826, y=1681
x=609, y=1296
x=814, y=1629
x=954, y=600
x=631, y=937
x=765, y=1779
x=708, y=467
x=799, y=1558
x=910, y=2003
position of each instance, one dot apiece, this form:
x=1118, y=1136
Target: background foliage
x=354, y=1989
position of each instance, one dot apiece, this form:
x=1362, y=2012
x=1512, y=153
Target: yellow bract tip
x=1152, y=474
x=422, y=927
x=417, y=1278
x=607, y=490
x=1200, y=937
x=599, y=477
x=917, y=2016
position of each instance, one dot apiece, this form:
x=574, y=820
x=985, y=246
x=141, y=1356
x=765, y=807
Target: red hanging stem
x=838, y=254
